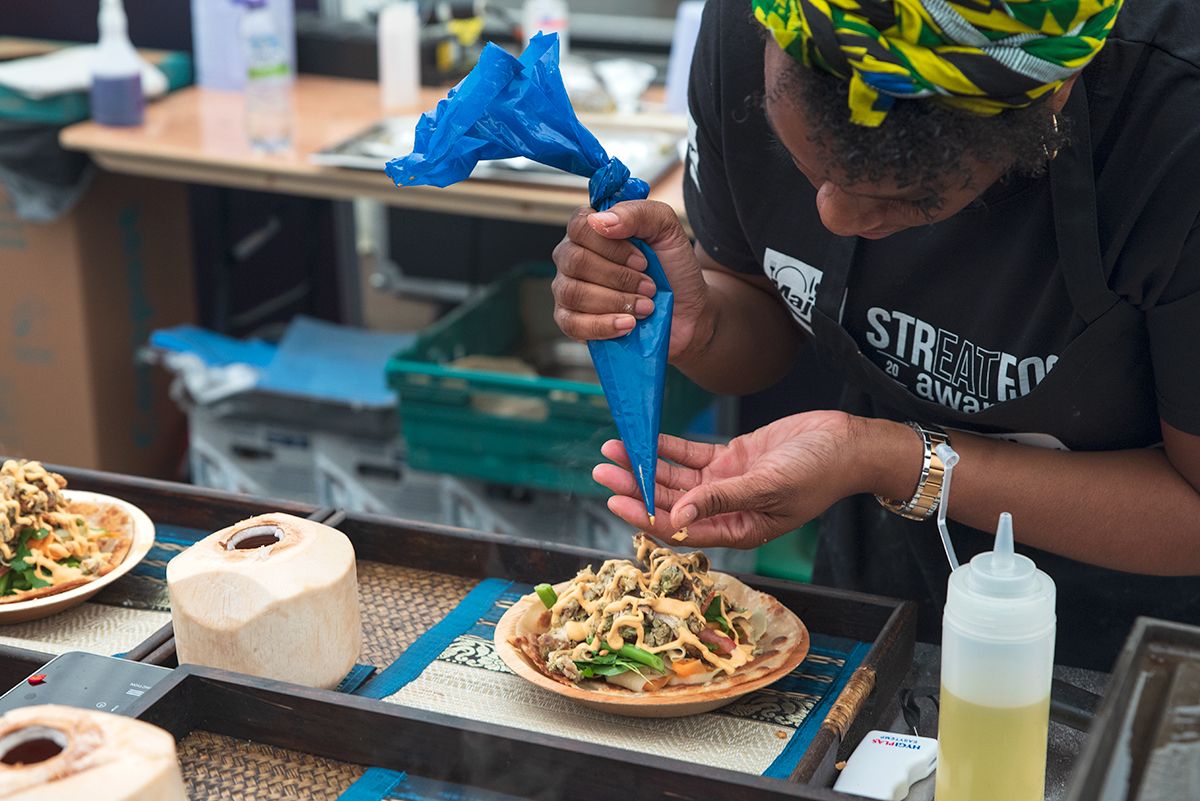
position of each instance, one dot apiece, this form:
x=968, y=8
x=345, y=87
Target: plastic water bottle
x=399, y=55
x=268, y=81
x=116, y=94
x=997, y=666
x=546, y=16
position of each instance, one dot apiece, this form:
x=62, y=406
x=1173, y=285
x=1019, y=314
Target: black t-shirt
x=986, y=281
x=975, y=311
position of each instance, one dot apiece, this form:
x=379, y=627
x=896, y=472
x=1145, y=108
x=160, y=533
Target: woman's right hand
x=601, y=289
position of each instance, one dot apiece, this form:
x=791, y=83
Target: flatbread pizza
x=673, y=630
x=50, y=543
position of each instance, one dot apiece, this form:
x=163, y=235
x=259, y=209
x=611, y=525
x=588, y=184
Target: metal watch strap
x=924, y=501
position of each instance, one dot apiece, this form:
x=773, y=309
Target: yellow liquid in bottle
x=989, y=753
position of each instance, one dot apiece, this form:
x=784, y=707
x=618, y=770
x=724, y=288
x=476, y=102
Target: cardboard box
x=79, y=297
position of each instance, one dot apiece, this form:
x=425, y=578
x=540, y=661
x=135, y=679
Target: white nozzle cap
x=1001, y=571
x=948, y=455
x=1002, y=551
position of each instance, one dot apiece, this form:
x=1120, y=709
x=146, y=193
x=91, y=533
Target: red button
x=40, y=678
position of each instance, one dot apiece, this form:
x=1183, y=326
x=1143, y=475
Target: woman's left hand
x=741, y=495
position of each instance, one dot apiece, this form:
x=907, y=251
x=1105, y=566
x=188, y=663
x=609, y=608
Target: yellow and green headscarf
x=981, y=56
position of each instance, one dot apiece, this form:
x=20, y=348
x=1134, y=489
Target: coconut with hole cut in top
x=274, y=596
x=51, y=753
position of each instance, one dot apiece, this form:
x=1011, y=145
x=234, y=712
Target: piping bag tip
x=647, y=488
x=632, y=372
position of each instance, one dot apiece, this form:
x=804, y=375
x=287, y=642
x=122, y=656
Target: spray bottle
x=116, y=94
x=997, y=662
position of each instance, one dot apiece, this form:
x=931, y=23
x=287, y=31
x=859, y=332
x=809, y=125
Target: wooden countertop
x=196, y=135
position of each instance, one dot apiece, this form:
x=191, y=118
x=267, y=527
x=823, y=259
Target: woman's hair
x=920, y=142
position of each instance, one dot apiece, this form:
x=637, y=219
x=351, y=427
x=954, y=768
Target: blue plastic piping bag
x=508, y=107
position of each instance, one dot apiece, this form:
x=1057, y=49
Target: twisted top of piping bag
x=508, y=107
x=612, y=183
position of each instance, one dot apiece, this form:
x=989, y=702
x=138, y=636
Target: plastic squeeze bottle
x=116, y=94
x=997, y=662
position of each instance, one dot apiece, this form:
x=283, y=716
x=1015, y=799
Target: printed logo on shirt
x=939, y=365
x=796, y=281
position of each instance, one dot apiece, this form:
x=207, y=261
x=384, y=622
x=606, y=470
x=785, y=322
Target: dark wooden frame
x=371, y=732
x=1139, y=690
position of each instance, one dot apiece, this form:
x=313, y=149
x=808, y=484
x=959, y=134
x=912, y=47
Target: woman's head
x=977, y=56
x=918, y=154
x=908, y=172
x=929, y=160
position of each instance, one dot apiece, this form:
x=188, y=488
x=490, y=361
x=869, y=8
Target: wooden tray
x=367, y=732
x=1141, y=744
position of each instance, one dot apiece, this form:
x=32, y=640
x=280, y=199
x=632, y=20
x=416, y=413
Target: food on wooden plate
x=48, y=543
x=674, y=627
x=52, y=753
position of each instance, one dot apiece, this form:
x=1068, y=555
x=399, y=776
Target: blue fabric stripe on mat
x=354, y=679
x=373, y=785
x=419, y=788
x=179, y=535
x=426, y=649
x=790, y=756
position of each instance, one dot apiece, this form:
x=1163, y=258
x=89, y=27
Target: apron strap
x=1073, y=197
x=831, y=294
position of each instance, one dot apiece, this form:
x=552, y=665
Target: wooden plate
x=142, y=531
x=786, y=643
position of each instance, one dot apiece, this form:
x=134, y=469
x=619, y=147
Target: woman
x=995, y=249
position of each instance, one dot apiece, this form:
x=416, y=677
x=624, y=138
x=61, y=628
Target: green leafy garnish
x=24, y=573
x=713, y=614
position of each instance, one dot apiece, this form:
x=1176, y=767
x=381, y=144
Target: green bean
x=638, y=655
x=547, y=594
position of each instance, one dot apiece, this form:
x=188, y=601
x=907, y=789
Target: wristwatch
x=924, y=501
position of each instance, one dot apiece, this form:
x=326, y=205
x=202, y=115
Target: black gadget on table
x=86, y=681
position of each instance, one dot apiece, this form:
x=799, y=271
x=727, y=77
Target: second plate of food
x=129, y=535
x=781, y=646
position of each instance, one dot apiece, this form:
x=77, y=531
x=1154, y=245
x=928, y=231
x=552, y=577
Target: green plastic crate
x=454, y=420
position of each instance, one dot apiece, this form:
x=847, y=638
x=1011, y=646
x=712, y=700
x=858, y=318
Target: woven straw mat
x=218, y=767
x=399, y=604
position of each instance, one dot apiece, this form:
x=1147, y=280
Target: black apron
x=1099, y=396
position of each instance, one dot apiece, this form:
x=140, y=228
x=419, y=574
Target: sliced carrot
x=688, y=667
x=656, y=684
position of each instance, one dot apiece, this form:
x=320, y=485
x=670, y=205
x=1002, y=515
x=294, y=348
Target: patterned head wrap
x=981, y=56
